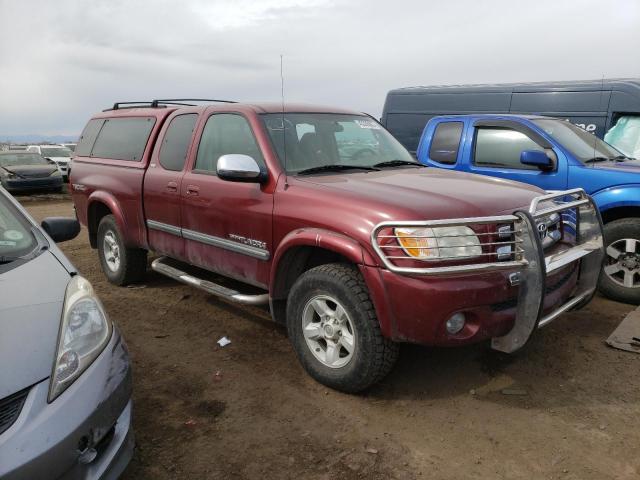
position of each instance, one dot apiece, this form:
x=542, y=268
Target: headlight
x=439, y=243
x=84, y=332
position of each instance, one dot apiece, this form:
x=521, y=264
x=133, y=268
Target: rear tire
x=620, y=277
x=121, y=265
x=334, y=329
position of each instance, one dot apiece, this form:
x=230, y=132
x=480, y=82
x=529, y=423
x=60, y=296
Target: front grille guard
x=526, y=257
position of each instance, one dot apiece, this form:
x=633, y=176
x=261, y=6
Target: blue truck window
x=501, y=147
x=446, y=141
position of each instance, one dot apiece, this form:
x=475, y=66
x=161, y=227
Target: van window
x=123, y=138
x=177, y=139
x=445, y=143
x=88, y=137
x=625, y=135
x=501, y=147
x=225, y=133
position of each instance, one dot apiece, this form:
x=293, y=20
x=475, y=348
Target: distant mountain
x=38, y=138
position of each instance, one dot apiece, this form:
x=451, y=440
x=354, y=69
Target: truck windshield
x=585, y=146
x=326, y=141
x=16, y=238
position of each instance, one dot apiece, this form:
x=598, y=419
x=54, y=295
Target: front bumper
x=57, y=440
x=540, y=285
x=25, y=184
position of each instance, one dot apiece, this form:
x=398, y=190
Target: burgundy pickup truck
x=326, y=218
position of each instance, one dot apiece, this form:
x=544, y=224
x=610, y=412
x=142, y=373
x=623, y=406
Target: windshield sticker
x=13, y=235
x=7, y=243
x=370, y=124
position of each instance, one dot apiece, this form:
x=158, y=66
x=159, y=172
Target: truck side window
x=88, y=137
x=445, y=143
x=123, y=138
x=501, y=148
x=226, y=133
x=177, y=139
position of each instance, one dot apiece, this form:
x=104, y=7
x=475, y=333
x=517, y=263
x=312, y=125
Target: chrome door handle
x=193, y=190
x=172, y=187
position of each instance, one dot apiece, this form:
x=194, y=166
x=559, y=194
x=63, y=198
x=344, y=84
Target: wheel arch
x=101, y=204
x=302, y=250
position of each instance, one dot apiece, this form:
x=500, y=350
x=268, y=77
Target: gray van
x=65, y=375
x=595, y=105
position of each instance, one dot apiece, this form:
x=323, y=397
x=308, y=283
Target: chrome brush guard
x=511, y=243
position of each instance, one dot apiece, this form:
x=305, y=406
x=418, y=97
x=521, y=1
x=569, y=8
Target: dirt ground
x=248, y=410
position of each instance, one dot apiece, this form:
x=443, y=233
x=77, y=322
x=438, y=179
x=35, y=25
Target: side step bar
x=213, y=288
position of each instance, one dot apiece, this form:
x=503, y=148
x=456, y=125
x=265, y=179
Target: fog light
x=456, y=323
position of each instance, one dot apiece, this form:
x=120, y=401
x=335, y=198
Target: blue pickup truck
x=554, y=155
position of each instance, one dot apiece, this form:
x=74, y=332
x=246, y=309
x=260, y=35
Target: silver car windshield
x=317, y=140
x=16, y=237
x=56, y=152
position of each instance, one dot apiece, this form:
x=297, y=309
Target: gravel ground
x=566, y=407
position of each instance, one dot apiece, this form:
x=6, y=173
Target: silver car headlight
x=85, y=330
x=439, y=243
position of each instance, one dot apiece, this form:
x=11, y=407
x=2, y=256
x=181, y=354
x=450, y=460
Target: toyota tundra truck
x=322, y=215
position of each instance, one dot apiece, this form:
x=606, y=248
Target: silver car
x=65, y=375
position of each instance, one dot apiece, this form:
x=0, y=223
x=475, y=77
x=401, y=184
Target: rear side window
x=445, y=143
x=88, y=137
x=501, y=147
x=177, y=139
x=225, y=134
x=123, y=138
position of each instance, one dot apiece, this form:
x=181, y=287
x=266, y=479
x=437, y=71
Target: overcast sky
x=62, y=60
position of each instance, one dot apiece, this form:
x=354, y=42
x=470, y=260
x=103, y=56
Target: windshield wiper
x=397, y=163
x=7, y=259
x=334, y=168
x=598, y=159
x=622, y=158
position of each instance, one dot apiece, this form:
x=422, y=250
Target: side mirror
x=61, y=229
x=536, y=158
x=239, y=168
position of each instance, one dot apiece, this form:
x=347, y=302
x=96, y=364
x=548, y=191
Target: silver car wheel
x=328, y=331
x=623, y=262
x=111, y=251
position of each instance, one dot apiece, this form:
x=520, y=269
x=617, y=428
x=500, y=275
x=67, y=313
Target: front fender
x=325, y=239
x=351, y=250
x=617, y=196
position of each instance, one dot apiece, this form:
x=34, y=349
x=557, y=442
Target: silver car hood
x=31, y=298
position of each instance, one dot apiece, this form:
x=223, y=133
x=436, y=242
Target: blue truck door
x=494, y=147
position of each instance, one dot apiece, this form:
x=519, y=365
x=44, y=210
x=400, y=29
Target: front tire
x=334, y=330
x=620, y=277
x=121, y=265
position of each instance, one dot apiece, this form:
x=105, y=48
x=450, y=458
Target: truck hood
x=430, y=193
x=630, y=166
x=31, y=299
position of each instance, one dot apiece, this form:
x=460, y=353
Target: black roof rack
x=162, y=103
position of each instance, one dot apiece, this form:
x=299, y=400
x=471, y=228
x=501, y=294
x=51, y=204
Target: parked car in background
x=70, y=146
x=595, y=105
x=353, y=252
x=58, y=154
x=22, y=171
x=65, y=381
x=552, y=154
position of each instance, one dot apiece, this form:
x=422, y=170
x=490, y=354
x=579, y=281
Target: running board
x=213, y=288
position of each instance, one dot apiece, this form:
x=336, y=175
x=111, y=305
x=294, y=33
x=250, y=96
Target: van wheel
x=620, y=277
x=120, y=265
x=334, y=329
